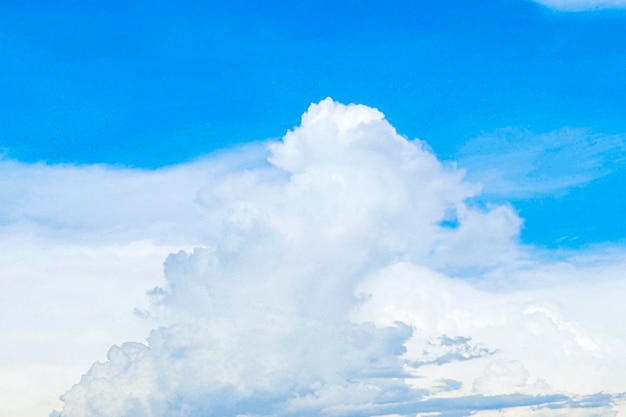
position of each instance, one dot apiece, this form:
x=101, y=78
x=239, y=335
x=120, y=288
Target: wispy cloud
x=513, y=163
x=582, y=5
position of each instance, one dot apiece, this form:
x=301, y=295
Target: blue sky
x=188, y=149
x=158, y=83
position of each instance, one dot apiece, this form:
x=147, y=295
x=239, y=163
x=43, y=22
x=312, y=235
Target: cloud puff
x=582, y=5
x=347, y=273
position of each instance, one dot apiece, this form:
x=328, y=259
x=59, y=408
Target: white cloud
x=80, y=245
x=54, y=293
x=322, y=289
x=582, y=5
x=556, y=333
x=340, y=271
x=103, y=203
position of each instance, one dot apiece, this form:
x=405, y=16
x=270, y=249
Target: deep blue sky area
x=148, y=84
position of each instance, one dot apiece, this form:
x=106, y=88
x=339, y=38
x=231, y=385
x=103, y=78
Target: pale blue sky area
x=149, y=84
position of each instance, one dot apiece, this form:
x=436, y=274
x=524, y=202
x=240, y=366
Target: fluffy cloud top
x=348, y=274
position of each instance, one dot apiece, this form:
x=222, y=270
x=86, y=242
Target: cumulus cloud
x=347, y=271
x=582, y=5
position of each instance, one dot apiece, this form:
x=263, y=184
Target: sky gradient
x=481, y=168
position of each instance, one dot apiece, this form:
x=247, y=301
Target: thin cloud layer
x=582, y=5
x=350, y=273
x=513, y=163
